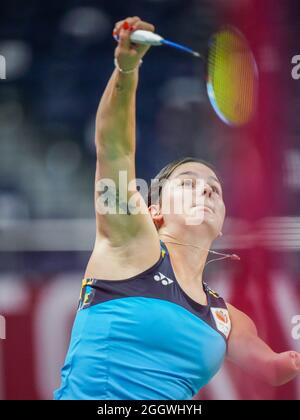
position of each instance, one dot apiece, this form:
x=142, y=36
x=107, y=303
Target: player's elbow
x=109, y=148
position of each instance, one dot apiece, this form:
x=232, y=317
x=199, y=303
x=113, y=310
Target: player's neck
x=188, y=256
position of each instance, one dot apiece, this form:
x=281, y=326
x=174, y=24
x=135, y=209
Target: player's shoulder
x=240, y=320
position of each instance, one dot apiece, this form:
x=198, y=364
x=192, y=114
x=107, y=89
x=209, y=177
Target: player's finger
x=145, y=26
x=130, y=21
x=124, y=38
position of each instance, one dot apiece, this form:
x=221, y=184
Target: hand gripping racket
x=231, y=72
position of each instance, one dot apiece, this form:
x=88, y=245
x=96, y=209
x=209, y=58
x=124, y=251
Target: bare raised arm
x=115, y=139
x=247, y=350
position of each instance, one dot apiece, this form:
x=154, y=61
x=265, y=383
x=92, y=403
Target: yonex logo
x=164, y=280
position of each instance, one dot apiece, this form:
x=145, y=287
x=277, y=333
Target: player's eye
x=216, y=189
x=187, y=182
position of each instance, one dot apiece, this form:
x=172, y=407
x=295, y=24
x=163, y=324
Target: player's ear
x=156, y=215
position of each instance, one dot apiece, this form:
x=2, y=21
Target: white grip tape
x=145, y=37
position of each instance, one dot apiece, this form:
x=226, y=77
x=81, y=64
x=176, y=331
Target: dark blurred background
x=59, y=57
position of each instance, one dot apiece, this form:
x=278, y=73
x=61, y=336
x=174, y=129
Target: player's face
x=193, y=197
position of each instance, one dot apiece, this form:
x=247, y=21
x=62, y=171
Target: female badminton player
x=148, y=327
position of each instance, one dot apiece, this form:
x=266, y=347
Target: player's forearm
x=115, y=120
x=254, y=356
x=247, y=350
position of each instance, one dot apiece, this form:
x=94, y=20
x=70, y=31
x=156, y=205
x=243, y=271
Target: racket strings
x=232, y=77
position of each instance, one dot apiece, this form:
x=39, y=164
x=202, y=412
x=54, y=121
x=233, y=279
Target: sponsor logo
x=163, y=279
x=222, y=320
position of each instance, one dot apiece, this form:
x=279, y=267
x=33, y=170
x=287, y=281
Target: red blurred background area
x=47, y=158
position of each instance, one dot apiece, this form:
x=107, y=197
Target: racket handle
x=149, y=38
x=145, y=37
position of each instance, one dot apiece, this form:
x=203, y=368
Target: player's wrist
x=126, y=69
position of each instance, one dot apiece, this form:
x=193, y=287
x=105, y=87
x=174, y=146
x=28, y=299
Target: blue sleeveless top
x=143, y=338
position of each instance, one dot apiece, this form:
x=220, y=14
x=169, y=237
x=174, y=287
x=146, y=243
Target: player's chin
x=201, y=221
x=210, y=224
